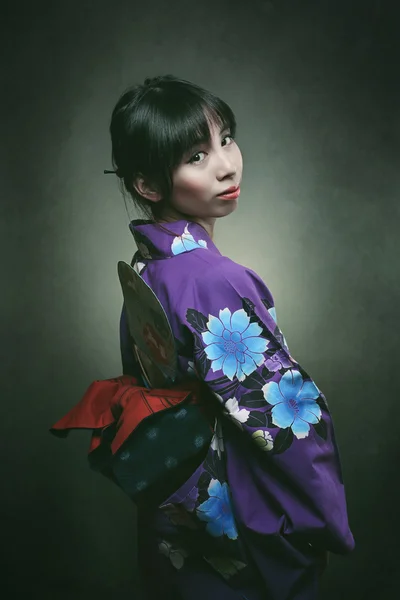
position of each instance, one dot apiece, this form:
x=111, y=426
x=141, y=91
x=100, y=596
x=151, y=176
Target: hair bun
x=151, y=80
x=154, y=81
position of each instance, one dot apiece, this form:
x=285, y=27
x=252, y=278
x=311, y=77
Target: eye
x=194, y=160
x=228, y=135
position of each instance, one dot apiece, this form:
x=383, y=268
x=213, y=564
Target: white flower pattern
x=232, y=410
x=217, y=442
x=238, y=415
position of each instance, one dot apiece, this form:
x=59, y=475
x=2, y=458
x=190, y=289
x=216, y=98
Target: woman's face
x=203, y=175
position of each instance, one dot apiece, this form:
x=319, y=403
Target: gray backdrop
x=315, y=86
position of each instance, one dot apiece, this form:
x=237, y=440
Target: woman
x=256, y=513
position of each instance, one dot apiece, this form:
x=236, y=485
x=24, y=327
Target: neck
x=207, y=224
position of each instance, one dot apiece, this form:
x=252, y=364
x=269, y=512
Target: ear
x=145, y=190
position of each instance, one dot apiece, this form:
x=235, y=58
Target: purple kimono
x=256, y=518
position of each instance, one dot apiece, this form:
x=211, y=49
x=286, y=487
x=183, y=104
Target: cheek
x=194, y=184
x=238, y=158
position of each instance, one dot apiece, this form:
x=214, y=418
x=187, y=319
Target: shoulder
x=201, y=277
x=202, y=267
x=196, y=266
x=221, y=271
x=217, y=262
x=209, y=276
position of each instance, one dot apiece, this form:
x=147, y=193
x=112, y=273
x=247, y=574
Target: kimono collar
x=165, y=240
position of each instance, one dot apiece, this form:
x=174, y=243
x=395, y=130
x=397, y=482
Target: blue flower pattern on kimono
x=217, y=511
x=233, y=344
x=186, y=243
x=294, y=403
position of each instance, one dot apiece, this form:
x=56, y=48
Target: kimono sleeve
x=283, y=448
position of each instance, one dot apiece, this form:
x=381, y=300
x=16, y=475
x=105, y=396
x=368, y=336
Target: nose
x=226, y=167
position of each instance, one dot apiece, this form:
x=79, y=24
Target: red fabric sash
x=123, y=401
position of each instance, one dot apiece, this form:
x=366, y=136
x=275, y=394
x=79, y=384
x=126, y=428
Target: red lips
x=231, y=193
x=230, y=190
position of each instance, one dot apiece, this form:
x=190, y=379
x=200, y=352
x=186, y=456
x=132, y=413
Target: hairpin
x=117, y=173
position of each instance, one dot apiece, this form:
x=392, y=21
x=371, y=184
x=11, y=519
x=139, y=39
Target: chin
x=228, y=208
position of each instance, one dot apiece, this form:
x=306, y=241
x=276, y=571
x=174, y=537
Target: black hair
x=154, y=125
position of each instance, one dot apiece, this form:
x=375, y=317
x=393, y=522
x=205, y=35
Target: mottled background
x=315, y=86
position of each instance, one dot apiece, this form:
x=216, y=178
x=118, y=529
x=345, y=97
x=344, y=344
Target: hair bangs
x=181, y=120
